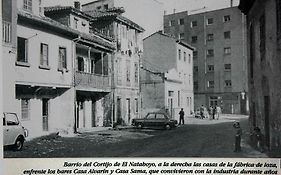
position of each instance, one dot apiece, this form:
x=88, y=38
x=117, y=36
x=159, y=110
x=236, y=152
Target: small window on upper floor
x=105, y=6
x=193, y=24
x=22, y=55
x=210, y=21
x=195, y=54
x=210, y=52
x=194, y=39
x=181, y=21
x=211, y=84
x=227, y=67
x=226, y=18
x=211, y=68
x=210, y=37
x=189, y=58
x=227, y=83
x=27, y=5
x=184, y=56
x=75, y=23
x=172, y=23
x=181, y=36
x=98, y=7
x=227, y=35
x=179, y=54
x=227, y=50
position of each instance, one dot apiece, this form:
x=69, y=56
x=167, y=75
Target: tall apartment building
x=146, y=13
x=264, y=50
x=125, y=61
x=166, y=75
x=220, y=72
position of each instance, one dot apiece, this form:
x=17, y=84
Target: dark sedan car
x=155, y=119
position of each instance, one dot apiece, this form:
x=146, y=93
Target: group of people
x=212, y=113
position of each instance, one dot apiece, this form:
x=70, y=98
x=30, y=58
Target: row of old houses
x=66, y=70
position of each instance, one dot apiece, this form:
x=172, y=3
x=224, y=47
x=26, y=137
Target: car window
x=150, y=116
x=11, y=119
x=160, y=116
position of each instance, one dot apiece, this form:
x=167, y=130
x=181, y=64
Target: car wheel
x=18, y=144
x=167, y=127
x=139, y=125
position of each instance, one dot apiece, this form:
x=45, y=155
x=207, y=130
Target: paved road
x=198, y=138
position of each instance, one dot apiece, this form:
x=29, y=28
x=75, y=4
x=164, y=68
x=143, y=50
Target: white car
x=13, y=132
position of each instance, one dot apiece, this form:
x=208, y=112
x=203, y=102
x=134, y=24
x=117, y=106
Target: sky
x=169, y=5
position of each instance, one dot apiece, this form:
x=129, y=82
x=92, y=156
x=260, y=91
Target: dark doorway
x=119, y=115
x=93, y=113
x=266, y=120
x=45, y=114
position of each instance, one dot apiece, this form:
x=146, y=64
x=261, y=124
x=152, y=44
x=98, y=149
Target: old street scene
x=149, y=78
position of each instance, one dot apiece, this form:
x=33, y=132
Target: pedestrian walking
x=181, y=113
x=259, y=139
x=202, y=112
x=210, y=112
x=218, y=112
x=238, y=134
x=214, y=112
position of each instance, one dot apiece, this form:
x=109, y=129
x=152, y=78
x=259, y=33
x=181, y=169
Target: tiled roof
x=56, y=9
x=99, y=15
x=65, y=30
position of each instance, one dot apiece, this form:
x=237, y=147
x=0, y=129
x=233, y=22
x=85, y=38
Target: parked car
x=13, y=132
x=155, y=119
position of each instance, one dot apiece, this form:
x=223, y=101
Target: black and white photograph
x=141, y=79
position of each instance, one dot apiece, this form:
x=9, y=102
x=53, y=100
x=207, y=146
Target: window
x=179, y=54
x=184, y=56
x=128, y=72
x=27, y=5
x=98, y=7
x=210, y=53
x=226, y=18
x=80, y=61
x=105, y=6
x=170, y=93
x=210, y=37
x=193, y=24
x=25, y=108
x=44, y=55
x=227, y=67
x=189, y=58
x=181, y=21
x=227, y=50
x=75, y=23
x=227, y=83
x=194, y=39
x=227, y=35
x=196, y=86
x=181, y=36
x=11, y=120
x=211, y=84
x=160, y=116
x=195, y=54
x=172, y=23
x=22, y=50
x=195, y=69
x=136, y=105
x=6, y=32
x=211, y=68
x=136, y=73
x=62, y=58
x=210, y=21
x=262, y=36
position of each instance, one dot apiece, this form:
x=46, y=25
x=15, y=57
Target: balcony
x=88, y=82
x=6, y=32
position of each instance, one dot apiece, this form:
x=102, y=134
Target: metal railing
x=84, y=79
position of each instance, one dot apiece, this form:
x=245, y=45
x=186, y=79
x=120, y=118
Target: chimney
x=231, y=3
x=174, y=10
x=77, y=5
x=165, y=12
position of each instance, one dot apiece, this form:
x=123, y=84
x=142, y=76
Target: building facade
x=167, y=75
x=146, y=9
x=220, y=73
x=264, y=31
x=43, y=82
x=125, y=62
x=92, y=62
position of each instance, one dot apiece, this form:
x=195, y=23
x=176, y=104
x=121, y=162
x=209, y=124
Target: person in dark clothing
x=214, y=112
x=181, y=113
x=238, y=134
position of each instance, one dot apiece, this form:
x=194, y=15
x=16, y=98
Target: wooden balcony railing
x=88, y=80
